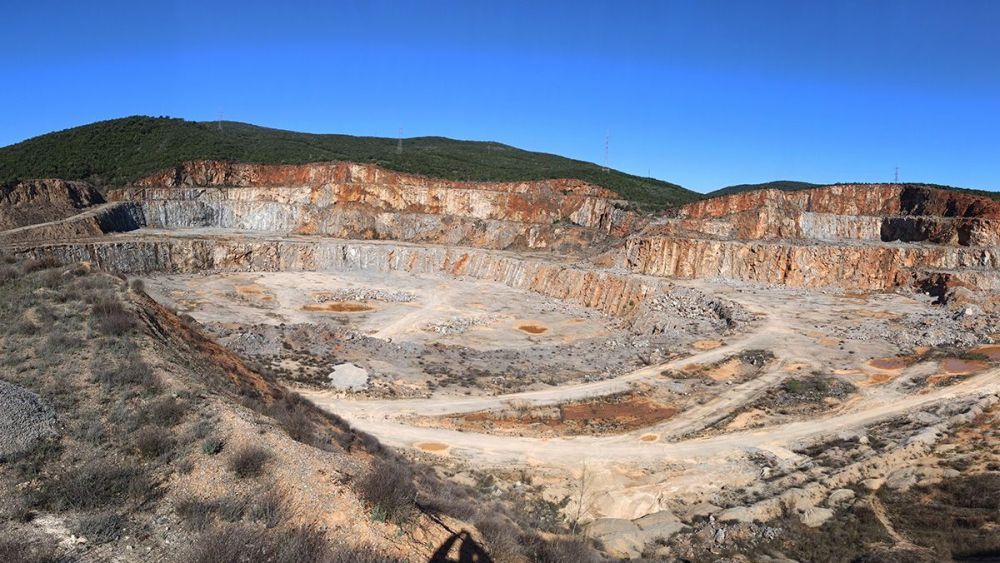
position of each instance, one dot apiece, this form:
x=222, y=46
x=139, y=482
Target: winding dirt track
x=382, y=417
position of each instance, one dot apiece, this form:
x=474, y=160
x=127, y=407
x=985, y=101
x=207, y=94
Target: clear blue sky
x=703, y=93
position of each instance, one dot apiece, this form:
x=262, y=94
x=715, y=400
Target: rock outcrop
x=871, y=237
x=40, y=201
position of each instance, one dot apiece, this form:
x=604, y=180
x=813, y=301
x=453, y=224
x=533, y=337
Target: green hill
x=790, y=186
x=786, y=185
x=120, y=150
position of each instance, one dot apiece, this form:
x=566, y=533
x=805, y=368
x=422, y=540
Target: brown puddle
x=897, y=362
x=337, y=307
x=649, y=437
x=532, y=329
x=991, y=351
x=958, y=366
x=431, y=446
x=598, y=416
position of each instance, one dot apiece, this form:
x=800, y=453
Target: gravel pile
x=662, y=312
x=367, y=294
x=458, y=325
x=24, y=419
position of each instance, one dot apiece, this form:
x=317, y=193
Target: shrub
x=388, y=488
x=240, y=543
x=565, y=550
x=39, y=264
x=138, y=286
x=196, y=513
x=167, y=411
x=501, y=538
x=110, y=317
x=212, y=445
x=153, y=442
x=269, y=508
x=131, y=370
x=249, y=461
x=101, y=527
x=97, y=484
x=24, y=327
x=17, y=551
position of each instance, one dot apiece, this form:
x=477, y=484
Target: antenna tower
x=607, y=144
x=896, y=178
x=220, y=120
x=399, y=142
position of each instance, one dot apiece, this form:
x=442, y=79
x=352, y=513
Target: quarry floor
x=721, y=400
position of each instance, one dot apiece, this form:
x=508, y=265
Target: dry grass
x=388, y=488
x=249, y=461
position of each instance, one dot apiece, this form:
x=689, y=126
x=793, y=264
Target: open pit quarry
x=676, y=381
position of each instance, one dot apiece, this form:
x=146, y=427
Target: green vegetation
x=784, y=185
x=791, y=186
x=121, y=150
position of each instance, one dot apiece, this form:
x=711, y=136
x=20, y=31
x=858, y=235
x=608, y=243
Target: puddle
x=991, y=351
x=337, y=307
x=532, y=329
x=896, y=362
x=957, y=366
x=707, y=344
x=649, y=437
x=431, y=446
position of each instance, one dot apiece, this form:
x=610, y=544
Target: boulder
x=607, y=526
x=656, y=518
x=736, y=514
x=839, y=497
x=815, y=517
x=701, y=510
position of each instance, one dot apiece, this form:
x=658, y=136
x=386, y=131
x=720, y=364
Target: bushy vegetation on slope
x=121, y=150
x=791, y=186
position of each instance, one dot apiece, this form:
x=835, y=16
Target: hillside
x=121, y=150
x=785, y=185
x=791, y=186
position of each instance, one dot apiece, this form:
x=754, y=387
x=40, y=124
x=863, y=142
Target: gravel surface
x=24, y=419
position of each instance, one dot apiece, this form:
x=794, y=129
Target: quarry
x=694, y=383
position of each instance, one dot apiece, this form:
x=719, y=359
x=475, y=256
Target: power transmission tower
x=607, y=144
x=220, y=120
x=896, y=178
x=399, y=142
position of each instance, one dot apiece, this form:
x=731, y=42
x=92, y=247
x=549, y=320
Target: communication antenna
x=399, y=142
x=896, y=179
x=220, y=120
x=607, y=144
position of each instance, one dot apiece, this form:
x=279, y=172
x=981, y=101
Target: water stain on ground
x=337, y=307
x=532, y=329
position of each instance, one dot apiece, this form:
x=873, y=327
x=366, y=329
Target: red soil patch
x=957, y=366
x=532, y=329
x=991, y=351
x=337, y=307
x=898, y=362
x=620, y=414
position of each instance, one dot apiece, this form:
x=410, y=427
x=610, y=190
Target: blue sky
x=703, y=93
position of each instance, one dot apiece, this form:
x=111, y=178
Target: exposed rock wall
x=331, y=184
x=357, y=221
x=40, y=201
x=93, y=222
x=853, y=266
x=616, y=293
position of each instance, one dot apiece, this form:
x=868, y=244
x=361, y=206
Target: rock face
x=41, y=201
x=614, y=292
x=864, y=237
x=870, y=237
x=363, y=201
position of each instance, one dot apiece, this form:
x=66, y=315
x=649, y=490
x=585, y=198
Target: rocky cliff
x=318, y=189
x=41, y=201
x=854, y=236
